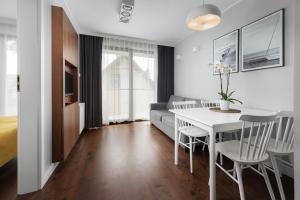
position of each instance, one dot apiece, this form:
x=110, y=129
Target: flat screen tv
x=68, y=84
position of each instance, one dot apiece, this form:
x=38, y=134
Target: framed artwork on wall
x=262, y=43
x=226, y=51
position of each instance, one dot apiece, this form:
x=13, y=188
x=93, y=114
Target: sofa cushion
x=169, y=120
x=172, y=99
x=158, y=114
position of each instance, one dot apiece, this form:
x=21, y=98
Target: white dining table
x=213, y=122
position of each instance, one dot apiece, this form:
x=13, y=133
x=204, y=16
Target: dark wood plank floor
x=135, y=161
x=8, y=181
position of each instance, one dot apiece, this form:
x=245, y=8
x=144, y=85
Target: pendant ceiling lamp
x=203, y=17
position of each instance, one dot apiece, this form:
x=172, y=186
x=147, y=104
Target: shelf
x=70, y=103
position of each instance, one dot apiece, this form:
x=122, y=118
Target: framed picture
x=226, y=51
x=262, y=43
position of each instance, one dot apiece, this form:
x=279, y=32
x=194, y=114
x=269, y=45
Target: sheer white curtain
x=8, y=69
x=129, y=78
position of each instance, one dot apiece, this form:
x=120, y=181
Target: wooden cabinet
x=70, y=42
x=65, y=109
x=71, y=127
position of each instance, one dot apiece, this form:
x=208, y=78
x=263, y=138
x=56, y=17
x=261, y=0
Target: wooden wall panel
x=57, y=82
x=65, y=109
x=70, y=42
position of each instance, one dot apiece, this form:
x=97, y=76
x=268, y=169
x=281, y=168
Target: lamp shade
x=203, y=17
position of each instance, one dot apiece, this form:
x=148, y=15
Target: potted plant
x=226, y=96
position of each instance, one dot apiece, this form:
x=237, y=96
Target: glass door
x=128, y=80
x=144, y=84
x=116, y=86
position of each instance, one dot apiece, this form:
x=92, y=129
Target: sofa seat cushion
x=173, y=99
x=158, y=114
x=169, y=120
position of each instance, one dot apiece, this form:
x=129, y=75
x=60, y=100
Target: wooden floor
x=135, y=161
x=8, y=181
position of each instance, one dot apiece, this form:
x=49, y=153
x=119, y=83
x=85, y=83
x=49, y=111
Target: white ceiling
x=8, y=9
x=157, y=20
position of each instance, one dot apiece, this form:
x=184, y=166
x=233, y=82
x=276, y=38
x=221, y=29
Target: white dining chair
x=281, y=145
x=192, y=132
x=245, y=152
x=212, y=104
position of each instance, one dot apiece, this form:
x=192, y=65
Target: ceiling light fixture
x=126, y=10
x=203, y=17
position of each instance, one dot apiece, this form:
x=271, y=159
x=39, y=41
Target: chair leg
x=277, y=175
x=267, y=181
x=236, y=135
x=240, y=180
x=206, y=141
x=220, y=140
x=179, y=137
x=216, y=157
x=191, y=154
x=234, y=172
x=194, y=145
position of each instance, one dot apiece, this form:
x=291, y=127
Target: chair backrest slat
x=242, y=138
x=285, y=133
x=249, y=151
x=184, y=105
x=210, y=103
x=262, y=139
x=279, y=132
x=288, y=142
x=250, y=139
x=291, y=144
x=270, y=130
x=256, y=141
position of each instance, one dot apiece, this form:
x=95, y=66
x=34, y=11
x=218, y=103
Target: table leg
x=212, y=165
x=176, y=141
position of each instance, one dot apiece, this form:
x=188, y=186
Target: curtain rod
x=133, y=39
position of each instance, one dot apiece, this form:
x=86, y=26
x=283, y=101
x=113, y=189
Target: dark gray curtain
x=90, y=79
x=165, y=81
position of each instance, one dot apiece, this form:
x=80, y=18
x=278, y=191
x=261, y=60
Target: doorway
x=8, y=99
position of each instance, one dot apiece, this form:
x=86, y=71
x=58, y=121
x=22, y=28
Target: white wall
x=270, y=89
x=47, y=167
x=35, y=68
x=297, y=100
x=29, y=104
x=34, y=63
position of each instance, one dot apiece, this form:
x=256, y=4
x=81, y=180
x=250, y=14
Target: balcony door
x=129, y=74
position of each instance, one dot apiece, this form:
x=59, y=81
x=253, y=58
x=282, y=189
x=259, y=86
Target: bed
x=8, y=139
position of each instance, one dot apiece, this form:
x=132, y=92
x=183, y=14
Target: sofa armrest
x=158, y=106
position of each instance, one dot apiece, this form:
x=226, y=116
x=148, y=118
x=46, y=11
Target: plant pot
x=224, y=105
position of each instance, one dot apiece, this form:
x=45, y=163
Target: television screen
x=68, y=84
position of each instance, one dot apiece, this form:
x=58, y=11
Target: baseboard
x=48, y=173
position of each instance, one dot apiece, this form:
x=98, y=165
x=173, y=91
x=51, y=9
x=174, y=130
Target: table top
x=211, y=118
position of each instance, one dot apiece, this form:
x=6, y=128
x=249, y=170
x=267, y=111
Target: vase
x=224, y=105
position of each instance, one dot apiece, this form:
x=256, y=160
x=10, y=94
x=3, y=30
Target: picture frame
x=262, y=43
x=226, y=51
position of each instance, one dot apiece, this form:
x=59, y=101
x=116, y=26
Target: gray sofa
x=163, y=119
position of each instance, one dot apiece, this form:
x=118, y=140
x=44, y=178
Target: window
x=128, y=80
x=8, y=75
